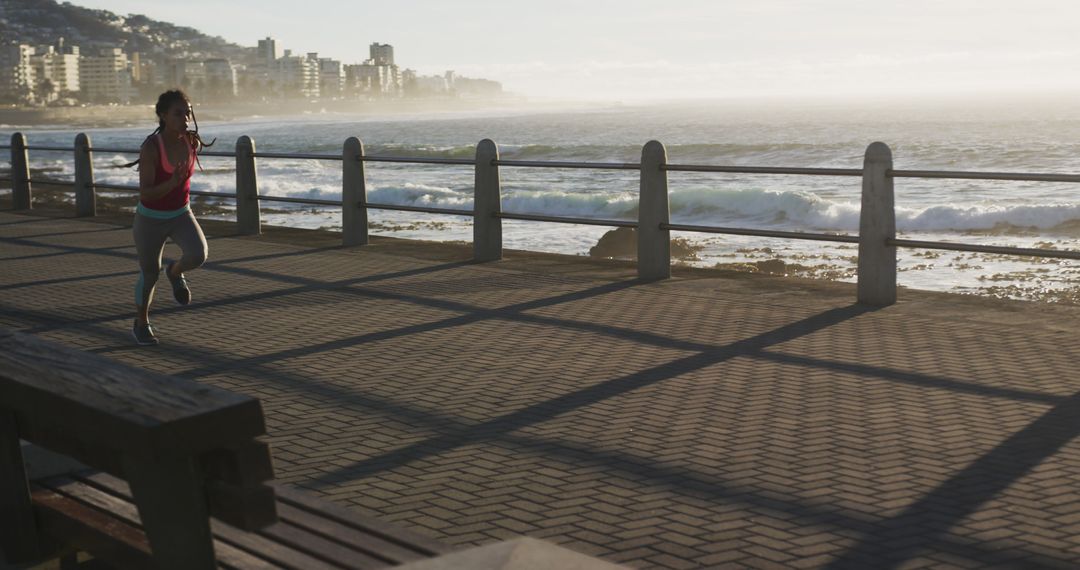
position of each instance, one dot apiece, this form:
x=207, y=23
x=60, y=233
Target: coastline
x=119, y=116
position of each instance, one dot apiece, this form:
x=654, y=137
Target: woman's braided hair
x=165, y=101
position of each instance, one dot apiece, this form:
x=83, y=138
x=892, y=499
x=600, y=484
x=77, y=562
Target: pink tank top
x=177, y=197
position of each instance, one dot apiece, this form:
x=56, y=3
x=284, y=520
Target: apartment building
x=106, y=77
x=220, y=78
x=331, y=78
x=56, y=72
x=17, y=76
x=297, y=76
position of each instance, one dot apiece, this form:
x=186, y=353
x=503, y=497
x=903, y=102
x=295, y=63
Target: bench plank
x=250, y=543
x=74, y=402
x=126, y=512
x=306, y=520
x=335, y=553
x=91, y=530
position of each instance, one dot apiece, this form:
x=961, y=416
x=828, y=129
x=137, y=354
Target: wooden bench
x=173, y=476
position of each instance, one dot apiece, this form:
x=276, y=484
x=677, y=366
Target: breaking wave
x=749, y=207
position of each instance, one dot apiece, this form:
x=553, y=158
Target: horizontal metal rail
x=569, y=164
x=116, y=186
x=961, y=175
x=420, y=160
x=49, y=148
x=52, y=182
x=762, y=170
x=423, y=209
x=216, y=194
x=293, y=155
x=109, y=149
x=136, y=151
x=760, y=233
x=1068, y=254
x=136, y=189
x=564, y=220
x=313, y=201
x=310, y=156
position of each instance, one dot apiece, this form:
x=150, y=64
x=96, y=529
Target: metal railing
x=877, y=225
x=568, y=164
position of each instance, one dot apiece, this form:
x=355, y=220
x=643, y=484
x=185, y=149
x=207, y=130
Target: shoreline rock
x=621, y=243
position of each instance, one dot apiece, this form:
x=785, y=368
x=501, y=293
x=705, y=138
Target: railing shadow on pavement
x=937, y=511
x=963, y=493
x=875, y=548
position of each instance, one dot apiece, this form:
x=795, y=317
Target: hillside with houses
x=59, y=54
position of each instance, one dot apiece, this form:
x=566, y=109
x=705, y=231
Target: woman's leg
x=149, y=237
x=187, y=234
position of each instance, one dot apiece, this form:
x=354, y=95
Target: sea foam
x=752, y=208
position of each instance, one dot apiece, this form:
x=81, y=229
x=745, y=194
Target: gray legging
x=150, y=235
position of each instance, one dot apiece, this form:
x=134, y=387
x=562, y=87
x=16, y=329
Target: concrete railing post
x=354, y=223
x=653, y=242
x=85, y=196
x=877, y=225
x=487, y=225
x=20, y=173
x=247, y=188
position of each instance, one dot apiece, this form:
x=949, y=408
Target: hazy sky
x=637, y=49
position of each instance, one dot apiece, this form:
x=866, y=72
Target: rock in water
x=776, y=266
x=619, y=243
x=683, y=250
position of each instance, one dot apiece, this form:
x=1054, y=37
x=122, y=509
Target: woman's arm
x=148, y=165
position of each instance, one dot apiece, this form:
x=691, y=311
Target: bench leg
x=18, y=531
x=172, y=505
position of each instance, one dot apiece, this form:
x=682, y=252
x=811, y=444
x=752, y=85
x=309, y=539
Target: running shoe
x=144, y=335
x=180, y=289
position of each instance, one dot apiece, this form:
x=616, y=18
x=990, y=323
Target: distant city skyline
x=634, y=50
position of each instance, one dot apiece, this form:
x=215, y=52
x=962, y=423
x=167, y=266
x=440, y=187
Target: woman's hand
x=181, y=171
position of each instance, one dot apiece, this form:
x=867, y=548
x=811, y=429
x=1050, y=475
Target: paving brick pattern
x=684, y=424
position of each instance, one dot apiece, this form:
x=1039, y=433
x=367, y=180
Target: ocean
x=1023, y=214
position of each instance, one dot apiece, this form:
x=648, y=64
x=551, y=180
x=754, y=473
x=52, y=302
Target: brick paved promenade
x=714, y=422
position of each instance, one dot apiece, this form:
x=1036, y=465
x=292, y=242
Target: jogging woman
x=166, y=162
